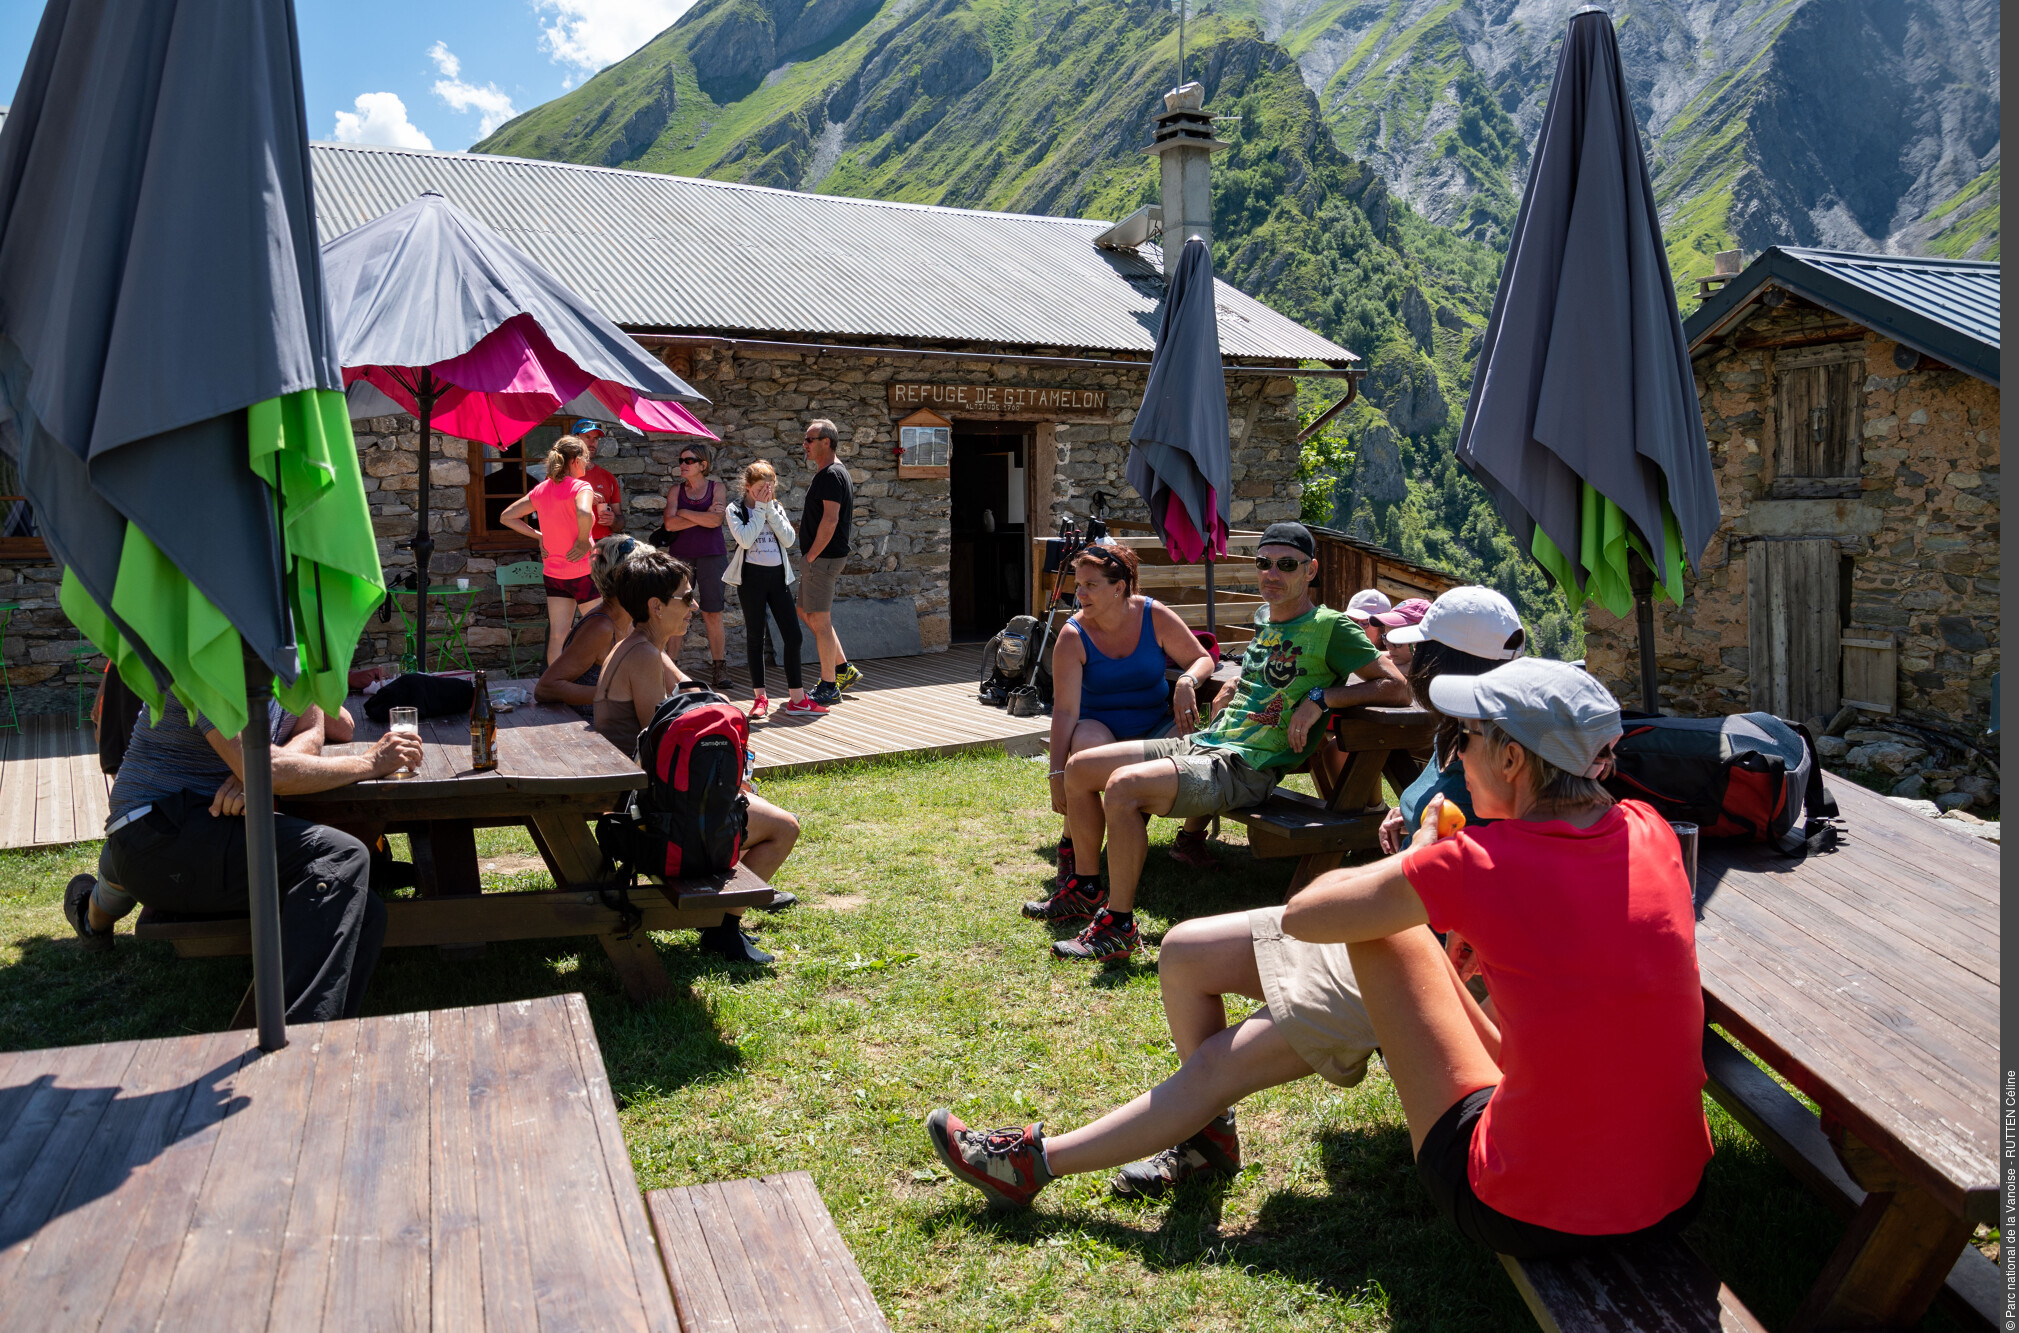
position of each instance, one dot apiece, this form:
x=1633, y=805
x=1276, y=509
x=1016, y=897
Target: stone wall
x=1922, y=533
x=760, y=399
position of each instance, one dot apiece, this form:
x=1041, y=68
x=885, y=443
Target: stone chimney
x=1183, y=138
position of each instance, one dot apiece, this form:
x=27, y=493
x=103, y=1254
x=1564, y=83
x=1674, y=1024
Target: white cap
x=1552, y=708
x=1471, y=619
x=1367, y=604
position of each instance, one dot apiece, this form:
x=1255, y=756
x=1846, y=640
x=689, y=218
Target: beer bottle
x=483, y=728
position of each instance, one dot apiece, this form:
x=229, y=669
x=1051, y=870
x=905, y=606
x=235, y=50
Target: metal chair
x=80, y=654
x=7, y=610
x=523, y=574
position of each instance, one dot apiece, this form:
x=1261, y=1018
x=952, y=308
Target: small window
x=926, y=446
x=20, y=537
x=499, y=477
x=1817, y=400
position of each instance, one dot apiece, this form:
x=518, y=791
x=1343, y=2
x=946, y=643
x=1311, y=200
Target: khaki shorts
x=1313, y=999
x=816, y=584
x=1210, y=780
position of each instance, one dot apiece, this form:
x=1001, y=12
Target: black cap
x=1290, y=534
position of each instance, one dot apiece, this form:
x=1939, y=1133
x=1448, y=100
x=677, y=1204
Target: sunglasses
x=1466, y=735
x=1286, y=564
x=685, y=461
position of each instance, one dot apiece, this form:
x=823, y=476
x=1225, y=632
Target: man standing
x=1297, y=668
x=176, y=841
x=609, y=494
x=824, y=526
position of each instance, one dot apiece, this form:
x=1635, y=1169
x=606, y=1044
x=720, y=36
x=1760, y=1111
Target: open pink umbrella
x=457, y=326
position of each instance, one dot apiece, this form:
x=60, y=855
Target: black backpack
x=1753, y=777
x=691, y=815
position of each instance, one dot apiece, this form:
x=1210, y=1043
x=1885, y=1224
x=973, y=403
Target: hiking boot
x=77, y=908
x=1066, y=860
x=728, y=942
x=827, y=694
x=780, y=900
x=1190, y=848
x=1214, y=1150
x=1008, y=1165
x=806, y=707
x=1105, y=941
x=719, y=674
x=846, y=676
x=759, y=706
x=1077, y=899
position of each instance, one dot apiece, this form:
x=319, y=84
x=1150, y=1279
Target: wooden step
x=1290, y=823
x=1646, y=1287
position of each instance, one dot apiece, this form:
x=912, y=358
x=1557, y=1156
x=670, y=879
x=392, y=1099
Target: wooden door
x=1791, y=590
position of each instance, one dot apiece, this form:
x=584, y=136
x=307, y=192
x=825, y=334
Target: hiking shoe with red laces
x=1105, y=941
x=1008, y=1165
x=1216, y=1150
x=1076, y=899
x=1189, y=849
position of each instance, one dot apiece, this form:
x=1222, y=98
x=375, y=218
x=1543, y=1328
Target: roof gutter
x=1351, y=373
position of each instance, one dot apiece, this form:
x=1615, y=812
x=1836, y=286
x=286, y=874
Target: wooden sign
x=1017, y=398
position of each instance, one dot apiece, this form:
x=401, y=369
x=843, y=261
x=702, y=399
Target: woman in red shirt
x=566, y=507
x=1578, y=1117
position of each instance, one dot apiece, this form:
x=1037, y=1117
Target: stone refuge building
x=1851, y=404
x=1020, y=344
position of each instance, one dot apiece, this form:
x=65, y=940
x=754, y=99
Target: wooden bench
x=1366, y=744
x=759, y=1256
x=1651, y=1287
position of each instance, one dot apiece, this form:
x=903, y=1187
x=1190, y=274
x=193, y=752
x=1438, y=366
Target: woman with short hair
x=691, y=530
x=1108, y=684
x=565, y=504
x=760, y=569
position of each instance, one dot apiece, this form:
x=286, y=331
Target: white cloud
x=586, y=35
x=493, y=104
x=380, y=118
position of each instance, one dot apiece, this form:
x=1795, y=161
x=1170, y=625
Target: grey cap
x=1289, y=534
x=1556, y=711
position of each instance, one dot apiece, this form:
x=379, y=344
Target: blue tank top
x=1127, y=695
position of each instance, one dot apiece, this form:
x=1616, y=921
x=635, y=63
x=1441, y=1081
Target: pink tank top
x=555, y=503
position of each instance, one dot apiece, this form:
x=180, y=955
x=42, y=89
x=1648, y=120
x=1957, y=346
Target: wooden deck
x=923, y=705
x=460, y=1169
x=51, y=792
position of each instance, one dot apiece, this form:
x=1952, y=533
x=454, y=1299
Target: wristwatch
x=1316, y=695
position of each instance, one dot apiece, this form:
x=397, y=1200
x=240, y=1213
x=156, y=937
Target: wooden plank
x=17, y=788
x=796, y=1292
x=825, y=1243
x=231, y=1251
x=379, y=1263
x=43, y=1147
x=67, y=1276
x=1650, y=1287
x=455, y=1226
x=742, y=1284
x=509, y=1226
x=654, y=1293
x=302, y=1271
x=48, y=767
x=698, y=1294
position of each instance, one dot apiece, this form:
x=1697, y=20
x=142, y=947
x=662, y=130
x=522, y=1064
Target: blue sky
x=442, y=71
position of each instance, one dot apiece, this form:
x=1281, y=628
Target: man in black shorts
x=176, y=841
x=824, y=527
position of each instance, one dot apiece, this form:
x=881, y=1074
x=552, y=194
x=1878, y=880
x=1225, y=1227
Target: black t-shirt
x=830, y=483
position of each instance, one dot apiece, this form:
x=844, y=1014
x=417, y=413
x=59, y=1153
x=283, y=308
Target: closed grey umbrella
x=1180, y=460
x=438, y=315
x=159, y=280
x=1583, y=423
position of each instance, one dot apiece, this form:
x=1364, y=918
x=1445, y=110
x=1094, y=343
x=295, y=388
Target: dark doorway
x=991, y=547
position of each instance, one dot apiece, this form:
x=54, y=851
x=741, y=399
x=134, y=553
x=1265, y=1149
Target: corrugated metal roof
x=1943, y=308
x=671, y=252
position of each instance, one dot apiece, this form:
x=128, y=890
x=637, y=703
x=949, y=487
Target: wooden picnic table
x=555, y=774
x=1868, y=978
x=454, y=1169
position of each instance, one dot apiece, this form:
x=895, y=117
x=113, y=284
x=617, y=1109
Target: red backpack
x=691, y=815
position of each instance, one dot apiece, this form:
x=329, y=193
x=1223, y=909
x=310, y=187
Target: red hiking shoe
x=1008, y=1165
x=1215, y=1149
x=1190, y=849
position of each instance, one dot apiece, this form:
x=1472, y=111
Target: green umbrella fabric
x=301, y=446
x=1605, y=537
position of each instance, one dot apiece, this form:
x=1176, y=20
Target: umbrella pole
x=1641, y=579
x=262, y=877
x=1211, y=627
x=424, y=542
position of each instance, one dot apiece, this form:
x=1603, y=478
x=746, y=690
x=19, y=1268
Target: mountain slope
x=1844, y=123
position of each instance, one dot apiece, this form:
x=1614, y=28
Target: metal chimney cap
x=1189, y=97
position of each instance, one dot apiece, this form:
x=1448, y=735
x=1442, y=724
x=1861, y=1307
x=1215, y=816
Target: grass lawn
x=905, y=981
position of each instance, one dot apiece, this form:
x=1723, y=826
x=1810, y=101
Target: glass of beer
x=409, y=721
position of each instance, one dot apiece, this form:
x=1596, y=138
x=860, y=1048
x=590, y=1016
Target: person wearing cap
x=609, y=494
x=1303, y=661
x=1400, y=616
x=1363, y=606
x=1466, y=632
x=1575, y=1120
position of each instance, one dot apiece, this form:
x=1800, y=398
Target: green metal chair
x=80, y=655
x=7, y=610
x=524, y=574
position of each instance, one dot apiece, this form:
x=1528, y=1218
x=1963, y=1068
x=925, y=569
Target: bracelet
x=1058, y=773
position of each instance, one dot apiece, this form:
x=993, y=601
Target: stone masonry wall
x=1925, y=546
x=760, y=400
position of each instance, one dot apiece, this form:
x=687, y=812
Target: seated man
x=1295, y=670
x=176, y=842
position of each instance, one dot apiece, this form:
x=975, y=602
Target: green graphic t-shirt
x=1283, y=662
